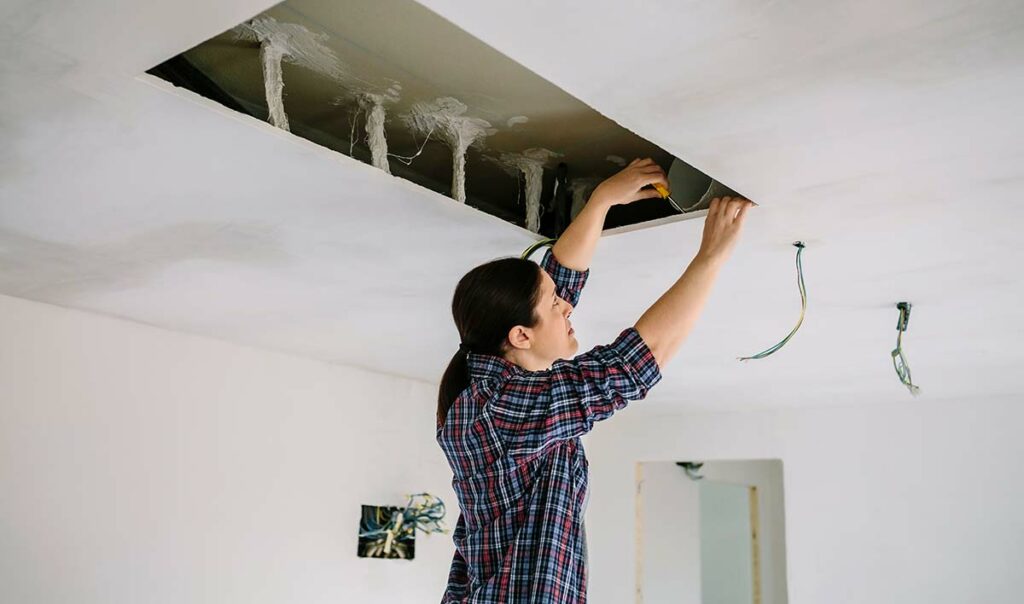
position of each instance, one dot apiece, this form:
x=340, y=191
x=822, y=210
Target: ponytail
x=489, y=301
x=454, y=381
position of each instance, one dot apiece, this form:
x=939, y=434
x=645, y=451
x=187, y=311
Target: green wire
x=799, y=245
x=536, y=246
x=899, y=360
x=800, y=282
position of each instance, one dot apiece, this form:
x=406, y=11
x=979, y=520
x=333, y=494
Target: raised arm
x=538, y=408
x=575, y=247
x=668, y=322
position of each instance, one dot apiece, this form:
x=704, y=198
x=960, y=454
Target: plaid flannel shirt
x=512, y=440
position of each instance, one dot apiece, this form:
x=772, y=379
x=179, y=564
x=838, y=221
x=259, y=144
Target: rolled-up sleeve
x=568, y=282
x=564, y=402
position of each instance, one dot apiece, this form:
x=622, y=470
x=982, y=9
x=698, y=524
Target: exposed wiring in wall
x=899, y=360
x=407, y=160
x=803, y=306
x=447, y=116
x=391, y=537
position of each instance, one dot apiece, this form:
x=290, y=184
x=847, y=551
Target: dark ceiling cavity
x=392, y=84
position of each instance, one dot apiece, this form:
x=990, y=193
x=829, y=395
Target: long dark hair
x=489, y=301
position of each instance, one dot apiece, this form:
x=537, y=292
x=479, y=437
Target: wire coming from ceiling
x=899, y=360
x=799, y=245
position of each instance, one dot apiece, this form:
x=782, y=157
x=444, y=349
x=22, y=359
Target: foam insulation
x=531, y=163
x=287, y=42
x=271, y=54
x=446, y=119
x=375, y=138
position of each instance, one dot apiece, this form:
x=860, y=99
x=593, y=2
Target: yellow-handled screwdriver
x=663, y=192
x=660, y=188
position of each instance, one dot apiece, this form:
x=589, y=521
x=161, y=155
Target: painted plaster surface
x=890, y=145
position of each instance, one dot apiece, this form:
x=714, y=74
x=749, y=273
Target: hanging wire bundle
x=536, y=246
x=899, y=360
x=390, y=535
x=799, y=245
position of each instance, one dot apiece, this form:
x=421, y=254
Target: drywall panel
x=268, y=242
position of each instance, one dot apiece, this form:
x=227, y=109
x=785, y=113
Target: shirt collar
x=484, y=366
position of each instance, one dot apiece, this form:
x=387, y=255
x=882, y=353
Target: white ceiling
x=886, y=137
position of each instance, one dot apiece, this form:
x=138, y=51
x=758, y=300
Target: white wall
x=668, y=536
x=140, y=465
x=910, y=503
x=768, y=477
x=671, y=520
x=726, y=571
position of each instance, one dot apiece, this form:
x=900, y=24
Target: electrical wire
x=352, y=134
x=536, y=246
x=388, y=534
x=799, y=245
x=899, y=360
x=408, y=160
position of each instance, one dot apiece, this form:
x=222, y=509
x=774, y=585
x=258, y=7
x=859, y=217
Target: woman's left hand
x=629, y=185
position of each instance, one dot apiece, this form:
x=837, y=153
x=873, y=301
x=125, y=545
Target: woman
x=511, y=408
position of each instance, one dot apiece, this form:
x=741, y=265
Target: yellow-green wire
x=899, y=360
x=803, y=306
x=536, y=246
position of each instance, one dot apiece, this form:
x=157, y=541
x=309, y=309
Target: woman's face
x=553, y=335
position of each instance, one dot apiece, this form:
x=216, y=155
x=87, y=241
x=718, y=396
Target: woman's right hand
x=630, y=184
x=722, y=228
